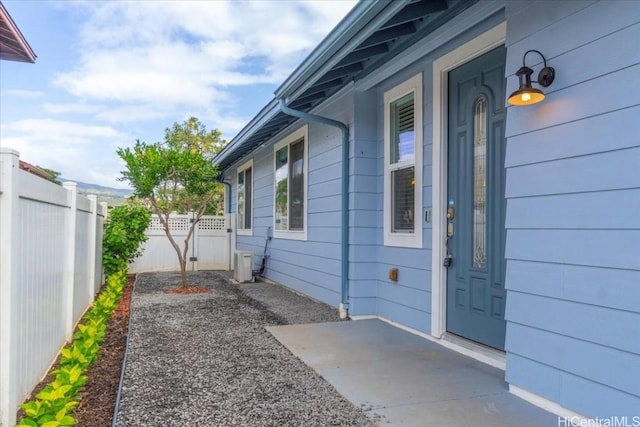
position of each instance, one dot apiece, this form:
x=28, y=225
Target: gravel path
x=207, y=360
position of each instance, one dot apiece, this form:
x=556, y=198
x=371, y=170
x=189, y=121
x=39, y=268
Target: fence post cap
x=11, y=151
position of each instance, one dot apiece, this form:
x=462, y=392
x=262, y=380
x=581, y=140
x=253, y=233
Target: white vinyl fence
x=209, y=246
x=50, y=271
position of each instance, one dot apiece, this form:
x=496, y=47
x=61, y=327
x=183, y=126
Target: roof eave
x=267, y=112
x=359, y=23
x=26, y=54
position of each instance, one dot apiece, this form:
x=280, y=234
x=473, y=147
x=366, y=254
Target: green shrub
x=124, y=232
x=53, y=406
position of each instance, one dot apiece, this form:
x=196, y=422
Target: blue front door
x=476, y=203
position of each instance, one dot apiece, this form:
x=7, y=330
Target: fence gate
x=209, y=246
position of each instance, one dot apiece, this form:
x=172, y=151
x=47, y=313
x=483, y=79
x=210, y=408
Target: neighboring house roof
x=371, y=34
x=35, y=170
x=13, y=46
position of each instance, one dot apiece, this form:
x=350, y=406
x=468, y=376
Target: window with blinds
x=401, y=157
x=403, y=164
x=402, y=130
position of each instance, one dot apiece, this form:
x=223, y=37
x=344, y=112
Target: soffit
x=380, y=45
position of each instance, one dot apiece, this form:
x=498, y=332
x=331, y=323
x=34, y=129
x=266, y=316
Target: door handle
x=448, y=259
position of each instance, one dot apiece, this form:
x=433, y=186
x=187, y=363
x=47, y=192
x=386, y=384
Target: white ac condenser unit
x=243, y=266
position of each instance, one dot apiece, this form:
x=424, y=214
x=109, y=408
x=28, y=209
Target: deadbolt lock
x=451, y=213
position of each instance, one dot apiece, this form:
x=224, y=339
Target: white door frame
x=441, y=67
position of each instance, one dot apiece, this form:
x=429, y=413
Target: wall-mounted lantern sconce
x=527, y=95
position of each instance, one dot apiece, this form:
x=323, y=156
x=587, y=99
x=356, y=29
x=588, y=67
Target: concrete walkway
x=408, y=380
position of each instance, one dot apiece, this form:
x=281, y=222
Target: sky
x=110, y=72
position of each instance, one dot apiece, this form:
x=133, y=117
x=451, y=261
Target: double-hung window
x=403, y=164
x=245, y=198
x=290, y=186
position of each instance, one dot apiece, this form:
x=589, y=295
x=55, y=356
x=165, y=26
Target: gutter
x=344, y=276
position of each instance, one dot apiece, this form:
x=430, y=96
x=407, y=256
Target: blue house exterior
x=508, y=233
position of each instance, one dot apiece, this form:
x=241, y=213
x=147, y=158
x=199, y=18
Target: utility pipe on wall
x=344, y=277
x=228, y=211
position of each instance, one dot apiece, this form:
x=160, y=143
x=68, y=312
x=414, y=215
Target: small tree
x=176, y=176
x=54, y=174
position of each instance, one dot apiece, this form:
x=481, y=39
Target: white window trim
x=303, y=132
x=245, y=166
x=409, y=240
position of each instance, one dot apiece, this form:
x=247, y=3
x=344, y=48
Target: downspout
x=344, y=277
x=222, y=181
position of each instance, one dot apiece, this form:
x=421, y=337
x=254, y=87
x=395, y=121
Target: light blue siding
x=577, y=357
x=611, y=170
x=363, y=211
x=311, y=266
x=568, y=390
x=407, y=301
x=573, y=197
x=612, y=288
x=573, y=194
x=607, y=132
x=599, y=325
x=600, y=248
x=576, y=211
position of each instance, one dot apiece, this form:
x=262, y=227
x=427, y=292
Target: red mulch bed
x=98, y=399
x=187, y=290
x=100, y=392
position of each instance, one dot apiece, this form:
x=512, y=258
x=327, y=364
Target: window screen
x=403, y=186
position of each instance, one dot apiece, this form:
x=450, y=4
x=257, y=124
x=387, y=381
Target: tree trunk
x=183, y=272
x=182, y=260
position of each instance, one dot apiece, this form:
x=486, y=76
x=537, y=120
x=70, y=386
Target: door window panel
x=480, y=183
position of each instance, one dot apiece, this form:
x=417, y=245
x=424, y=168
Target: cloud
x=59, y=130
x=167, y=54
x=79, y=151
x=76, y=108
x=141, y=65
x=23, y=93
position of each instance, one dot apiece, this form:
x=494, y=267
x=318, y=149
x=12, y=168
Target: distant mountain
x=113, y=196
